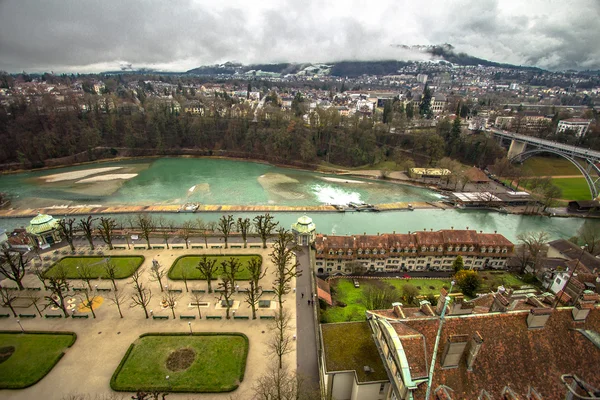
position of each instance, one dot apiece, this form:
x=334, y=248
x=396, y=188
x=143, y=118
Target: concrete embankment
x=175, y=208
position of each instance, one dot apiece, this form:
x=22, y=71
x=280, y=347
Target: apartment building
x=577, y=125
x=414, y=251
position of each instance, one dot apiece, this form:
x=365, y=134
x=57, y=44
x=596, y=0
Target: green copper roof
x=42, y=223
x=304, y=225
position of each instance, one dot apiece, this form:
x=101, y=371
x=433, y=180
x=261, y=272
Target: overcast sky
x=100, y=35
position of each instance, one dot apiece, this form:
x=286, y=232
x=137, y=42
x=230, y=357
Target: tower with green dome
x=44, y=228
x=304, y=231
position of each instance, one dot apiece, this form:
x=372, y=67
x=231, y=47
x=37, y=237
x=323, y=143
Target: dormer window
x=498, y=249
x=349, y=252
x=464, y=248
x=423, y=248
x=483, y=249
x=406, y=249
x=367, y=251
x=330, y=252
x=440, y=249
x=504, y=249
x=340, y=252
x=382, y=251
x=449, y=248
x=392, y=250
x=471, y=248
x=360, y=251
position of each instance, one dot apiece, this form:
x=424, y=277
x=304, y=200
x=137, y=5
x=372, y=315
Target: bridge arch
x=593, y=182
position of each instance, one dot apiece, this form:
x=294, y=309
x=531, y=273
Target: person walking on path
x=302, y=294
x=308, y=302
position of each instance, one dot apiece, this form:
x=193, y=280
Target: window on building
x=381, y=388
x=450, y=248
x=558, y=281
x=339, y=267
x=471, y=248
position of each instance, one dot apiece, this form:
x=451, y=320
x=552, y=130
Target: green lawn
x=491, y=280
x=189, y=263
x=219, y=364
x=573, y=188
x=34, y=356
x=549, y=166
x=345, y=292
x=126, y=265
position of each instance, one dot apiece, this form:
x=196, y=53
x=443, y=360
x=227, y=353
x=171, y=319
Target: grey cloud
x=80, y=34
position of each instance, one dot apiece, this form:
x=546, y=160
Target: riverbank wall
x=175, y=208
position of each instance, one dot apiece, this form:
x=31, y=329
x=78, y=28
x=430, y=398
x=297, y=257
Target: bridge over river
x=522, y=147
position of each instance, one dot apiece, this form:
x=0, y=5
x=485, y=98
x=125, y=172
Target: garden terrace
x=198, y=363
x=189, y=264
x=125, y=266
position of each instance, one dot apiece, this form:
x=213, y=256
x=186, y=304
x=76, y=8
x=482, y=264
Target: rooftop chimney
x=533, y=394
x=443, y=393
x=397, y=309
x=474, y=347
x=508, y=394
x=534, y=301
x=441, y=300
x=538, y=317
x=484, y=395
x=548, y=298
x=425, y=307
x=500, y=303
x=583, y=306
x=455, y=347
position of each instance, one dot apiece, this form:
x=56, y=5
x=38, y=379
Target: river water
x=219, y=181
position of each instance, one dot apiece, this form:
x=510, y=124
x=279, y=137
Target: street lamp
x=190, y=325
x=168, y=383
x=21, y=326
x=583, y=249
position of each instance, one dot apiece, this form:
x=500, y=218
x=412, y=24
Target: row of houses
x=414, y=251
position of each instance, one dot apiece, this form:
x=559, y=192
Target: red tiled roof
x=323, y=291
x=511, y=354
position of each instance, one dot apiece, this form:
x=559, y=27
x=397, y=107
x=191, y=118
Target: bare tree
x=87, y=226
x=12, y=266
x=285, y=262
x=226, y=288
x=534, y=243
x=166, y=228
x=225, y=226
x=110, y=269
x=147, y=225
x=66, y=231
x=184, y=277
x=157, y=273
x=38, y=270
x=7, y=297
x=208, y=268
x=231, y=269
x=88, y=298
x=141, y=296
x=283, y=384
x=35, y=297
x=280, y=342
x=35, y=245
x=244, y=225
x=197, y=299
x=186, y=231
x=59, y=286
x=589, y=233
x=206, y=230
x=171, y=299
x=85, y=273
x=106, y=229
x=118, y=298
x=264, y=226
x=255, y=292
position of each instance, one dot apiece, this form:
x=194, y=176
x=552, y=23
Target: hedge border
x=171, y=390
x=102, y=256
x=262, y=260
x=51, y=367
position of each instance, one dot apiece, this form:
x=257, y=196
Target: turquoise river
x=221, y=181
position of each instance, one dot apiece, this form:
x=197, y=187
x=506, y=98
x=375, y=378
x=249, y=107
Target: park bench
x=213, y=317
x=139, y=247
x=197, y=247
x=219, y=290
x=177, y=247
x=253, y=246
x=201, y=304
x=187, y=317
x=236, y=247
x=269, y=291
x=104, y=289
x=4, y=315
x=27, y=315
x=267, y=317
x=198, y=291
x=53, y=316
x=158, y=247
x=33, y=288
x=160, y=317
x=216, y=246
x=241, y=317
x=80, y=316
x=79, y=289
x=175, y=291
x=264, y=304
x=119, y=247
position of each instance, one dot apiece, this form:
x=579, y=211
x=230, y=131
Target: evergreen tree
x=458, y=264
x=425, y=105
x=387, y=112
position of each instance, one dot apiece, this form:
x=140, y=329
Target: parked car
x=356, y=284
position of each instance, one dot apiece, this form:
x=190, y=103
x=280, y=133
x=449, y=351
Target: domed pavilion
x=304, y=231
x=44, y=228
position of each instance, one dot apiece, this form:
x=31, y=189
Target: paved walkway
x=101, y=343
x=307, y=341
